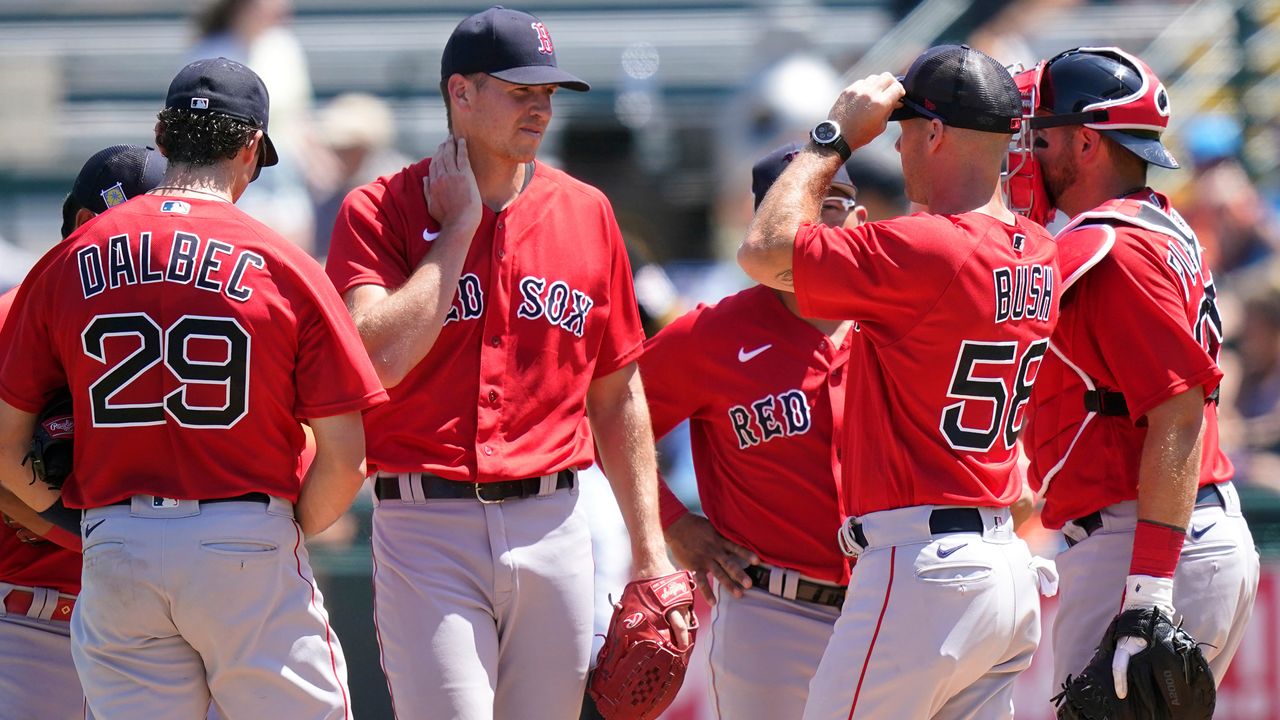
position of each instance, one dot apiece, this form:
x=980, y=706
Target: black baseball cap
x=769, y=168
x=117, y=174
x=509, y=45
x=227, y=87
x=962, y=87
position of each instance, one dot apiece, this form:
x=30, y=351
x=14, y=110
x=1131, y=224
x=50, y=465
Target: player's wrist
x=1144, y=591
x=1156, y=549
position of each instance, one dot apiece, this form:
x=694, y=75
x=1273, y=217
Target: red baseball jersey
x=43, y=565
x=544, y=305
x=193, y=339
x=1142, y=321
x=955, y=312
x=763, y=391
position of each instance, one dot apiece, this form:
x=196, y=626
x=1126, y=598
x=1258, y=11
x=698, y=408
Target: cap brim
x=269, y=155
x=542, y=75
x=1149, y=149
x=842, y=180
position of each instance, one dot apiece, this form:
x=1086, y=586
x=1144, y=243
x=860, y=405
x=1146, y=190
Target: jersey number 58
x=993, y=388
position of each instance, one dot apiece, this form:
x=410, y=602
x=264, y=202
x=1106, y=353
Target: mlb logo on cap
x=199, y=103
x=113, y=195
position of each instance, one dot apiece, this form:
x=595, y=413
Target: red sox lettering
x=468, y=303
x=558, y=303
x=127, y=262
x=772, y=416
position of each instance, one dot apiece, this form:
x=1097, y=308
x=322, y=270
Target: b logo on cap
x=113, y=195
x=199, y=103
x=544, y=39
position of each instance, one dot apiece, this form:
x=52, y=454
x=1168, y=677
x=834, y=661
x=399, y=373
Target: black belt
x=1108, y=402
x=1207, y=496
x=434, y=487
x=942, y=520
x=256, y=497
x=810, y=592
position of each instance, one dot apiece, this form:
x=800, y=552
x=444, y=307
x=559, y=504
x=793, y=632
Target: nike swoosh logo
x=88, y=530
x=429, y=236
x=948, y=552
x=744, y=356
x=1196, y=534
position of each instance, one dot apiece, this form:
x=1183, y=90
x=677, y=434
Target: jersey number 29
x=170, y=347
x=1006, y=402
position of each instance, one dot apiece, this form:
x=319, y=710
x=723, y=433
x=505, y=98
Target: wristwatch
x=826, y=134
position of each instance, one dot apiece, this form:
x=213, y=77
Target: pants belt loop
x=790, y=584
x=5, y=589
x=775, y=581
x=547, y=484
x=43, y=602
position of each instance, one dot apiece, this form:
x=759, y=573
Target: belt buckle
x=487, y=501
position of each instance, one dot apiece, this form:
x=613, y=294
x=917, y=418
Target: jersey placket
x=495, y=349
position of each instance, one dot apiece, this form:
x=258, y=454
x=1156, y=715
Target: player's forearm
x=1170, y=467
x=19, y=511
x=620, y=420
x=336, y=474
x=795, y=198
x=15, y=476
x=399, y=329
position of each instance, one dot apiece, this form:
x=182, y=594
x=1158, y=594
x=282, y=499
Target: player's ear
x=1087, y=142
x=459, y=89
x=860, y=216
x=159, y=133
x=936, y=129
x=84, y=215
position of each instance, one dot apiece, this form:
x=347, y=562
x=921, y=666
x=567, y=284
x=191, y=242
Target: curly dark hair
x=201, y=138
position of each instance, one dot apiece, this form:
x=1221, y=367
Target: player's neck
x=834, y=329
x=206, y=183
x=966, y=190
x=1092, y=189
x=499, y=180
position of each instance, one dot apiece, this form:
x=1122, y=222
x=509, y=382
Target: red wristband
x=1156, y=549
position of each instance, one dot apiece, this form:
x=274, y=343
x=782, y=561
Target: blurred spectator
x=359, y=129
x=1232, y=221
x=256, y=33
x=1253, y=426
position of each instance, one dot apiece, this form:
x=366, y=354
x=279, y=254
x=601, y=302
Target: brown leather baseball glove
x=640, y=669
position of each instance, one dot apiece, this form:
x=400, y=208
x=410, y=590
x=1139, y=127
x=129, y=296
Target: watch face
x=825, y=132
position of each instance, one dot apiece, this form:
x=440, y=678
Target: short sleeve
x=333, y=373
x=623, y=340
x=366, y=246
x=32, y=370
x=886, y=275
x=1137, y=312
x=672, y=385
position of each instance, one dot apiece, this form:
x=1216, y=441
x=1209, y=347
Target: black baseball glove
x=52, y=442
x=1168, y=680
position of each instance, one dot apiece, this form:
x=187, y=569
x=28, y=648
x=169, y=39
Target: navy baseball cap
x=227, y=87
x=962, y=87
x=509, y=45
x=117, y=174
x=769, y=168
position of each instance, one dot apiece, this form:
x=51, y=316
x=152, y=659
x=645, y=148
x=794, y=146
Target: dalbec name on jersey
x=191, y=261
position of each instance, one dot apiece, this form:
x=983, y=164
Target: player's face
x=1054, y=150
x=510, y=120
x=837, y=207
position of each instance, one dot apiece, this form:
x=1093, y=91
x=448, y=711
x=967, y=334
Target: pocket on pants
x=240, y=548
x=953, y=562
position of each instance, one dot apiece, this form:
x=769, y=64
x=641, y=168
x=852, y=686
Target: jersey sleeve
x=1136, y=310
x=673, y=383
x=623, y=340
x=333, y=372
x=32, y=369
x=886, y=274
x=367, y=247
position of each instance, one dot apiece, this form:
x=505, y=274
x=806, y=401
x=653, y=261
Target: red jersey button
x=493, y=395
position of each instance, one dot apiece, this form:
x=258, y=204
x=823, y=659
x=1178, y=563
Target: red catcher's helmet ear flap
x=1023, y=179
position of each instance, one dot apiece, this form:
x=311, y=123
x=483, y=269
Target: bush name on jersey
x=130, y=263
x=772, y=416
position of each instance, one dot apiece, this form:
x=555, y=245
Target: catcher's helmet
x=1110, y=91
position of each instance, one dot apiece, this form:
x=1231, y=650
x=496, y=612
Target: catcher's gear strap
x=64, y=517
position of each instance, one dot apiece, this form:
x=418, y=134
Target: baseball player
x=763, y=389
x=955, y=307
x=1124, y=439
x=192, y=339
x=500, y=314
x=40, y=562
